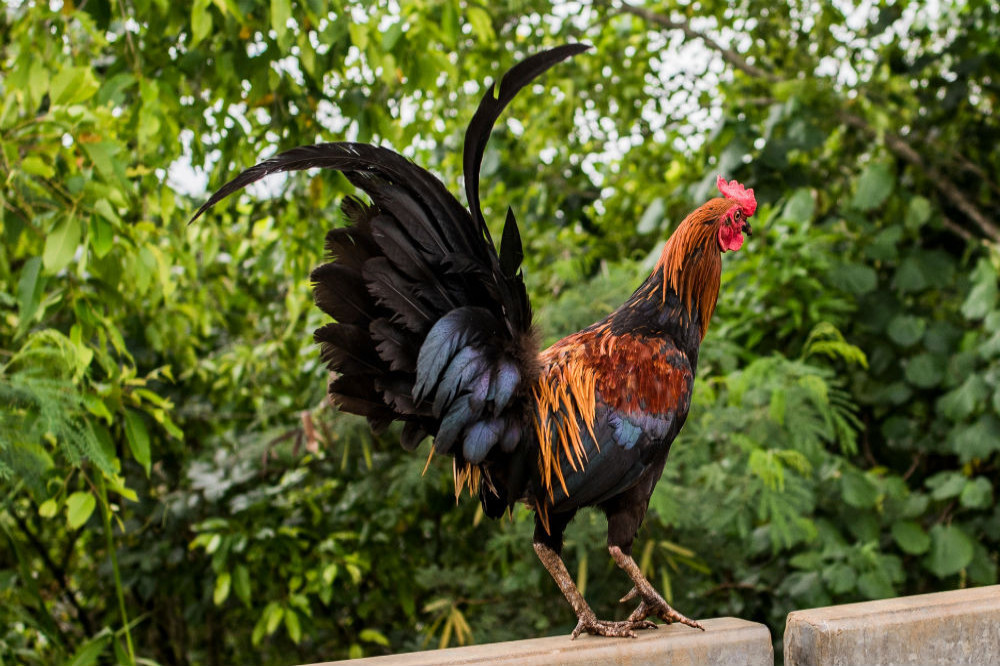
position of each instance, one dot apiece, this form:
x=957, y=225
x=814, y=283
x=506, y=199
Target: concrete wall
x=960, y=627
x=726, y=641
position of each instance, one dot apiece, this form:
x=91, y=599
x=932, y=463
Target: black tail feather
x=511, y=250
x=342, y=293
x=394, y=345
x=492, y=105
x=432, y=325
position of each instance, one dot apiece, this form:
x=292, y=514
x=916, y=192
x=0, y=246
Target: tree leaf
x=358, y=32
x=223, y=582
x=978, y=440
x=29, y=292
x=982, y=569
x=96, y=406
x=885, y=245
x=977, y=493
x=73, y=85
x=102, y=154
x=117, y=484
x=776, y=408
x=281, y=11
x=857, y=490
x=36, y=166
x=855, y=278
x=951, y=550
x=138, y=438
x=259, y=630
x=373, y=636
x=201, y=21
x=449, y=24
x=800, y=207
x=212, y=543
x=48, y=508
x=79, y=507
x=102, y=236
x=273, y=612
x=945, y=485
x=917, y=212
x=61, y=244
x=911, y=537
x=88, y=653
x=38, y=83
x=875, y=585
x=924, y=371
x=909, y=276
x=874, y=186
x=906, y=329
x=481, y=24
x=292, y=625
x=391, y=36
x=840, y=577
x=983, y=296
x=963, y=401
x=241, y=583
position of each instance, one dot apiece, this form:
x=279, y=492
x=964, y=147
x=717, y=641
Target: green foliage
x=162, y=425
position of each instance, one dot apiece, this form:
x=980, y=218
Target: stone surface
x=960, y=627
x=726, y=641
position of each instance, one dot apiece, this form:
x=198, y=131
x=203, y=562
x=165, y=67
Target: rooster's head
x=736, y=219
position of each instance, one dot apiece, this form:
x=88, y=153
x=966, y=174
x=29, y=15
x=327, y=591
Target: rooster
x=433, y=328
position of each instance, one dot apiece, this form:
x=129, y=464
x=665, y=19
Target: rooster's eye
x=738, y=216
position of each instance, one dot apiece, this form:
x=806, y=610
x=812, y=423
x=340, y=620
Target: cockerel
x=433, y=328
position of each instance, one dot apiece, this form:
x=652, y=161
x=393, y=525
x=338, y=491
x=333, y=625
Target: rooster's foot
x=624, y=629
x=657, y=607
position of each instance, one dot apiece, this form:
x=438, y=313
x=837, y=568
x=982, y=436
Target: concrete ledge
x=960, y=627
x=726, y=641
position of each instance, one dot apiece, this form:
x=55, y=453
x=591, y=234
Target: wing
x=608, y=407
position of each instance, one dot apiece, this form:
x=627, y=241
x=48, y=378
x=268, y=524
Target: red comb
x=741, y=195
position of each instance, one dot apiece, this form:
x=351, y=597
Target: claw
x=630, y=596
x=664, y=612
x=673, y=616
x=623, y=629
x=603, y=628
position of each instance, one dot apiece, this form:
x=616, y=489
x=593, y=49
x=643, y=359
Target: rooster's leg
x=547, y=547
x=652, y=603
x=587, y=622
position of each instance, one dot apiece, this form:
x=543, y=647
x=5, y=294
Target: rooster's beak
x=746, y=228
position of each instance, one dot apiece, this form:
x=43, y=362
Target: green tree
x=162, y=428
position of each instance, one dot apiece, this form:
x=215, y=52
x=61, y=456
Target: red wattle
x=730, y=238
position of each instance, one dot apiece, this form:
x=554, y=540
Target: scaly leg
x=652, y=603
x=587, y=621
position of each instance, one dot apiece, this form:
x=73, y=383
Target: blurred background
x=175, y=491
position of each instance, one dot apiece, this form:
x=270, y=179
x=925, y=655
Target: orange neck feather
x=692, y=263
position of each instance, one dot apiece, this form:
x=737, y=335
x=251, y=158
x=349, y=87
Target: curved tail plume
x=492, y=105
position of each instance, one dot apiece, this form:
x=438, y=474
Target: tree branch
x=58, y=574
x=894, y=142
x=946, y=187
x=729, y=55
x=957, y=229
x=970, y=166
